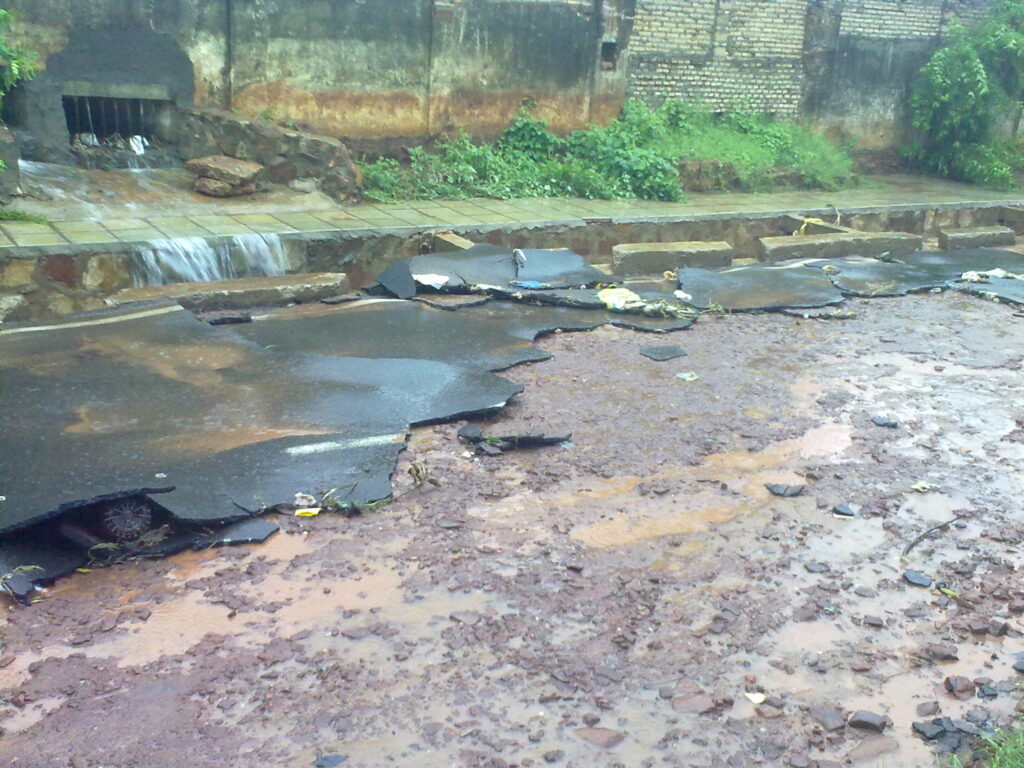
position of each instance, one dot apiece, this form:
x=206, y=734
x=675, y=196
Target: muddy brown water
x=486, y=621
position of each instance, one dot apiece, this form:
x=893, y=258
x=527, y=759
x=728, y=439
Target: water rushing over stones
x=195, y=259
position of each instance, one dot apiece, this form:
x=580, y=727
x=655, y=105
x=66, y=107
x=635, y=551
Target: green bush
x=961, y=92
x=636, y=155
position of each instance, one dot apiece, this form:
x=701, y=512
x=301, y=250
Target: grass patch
x=12, y=214
x=1004, y=750
x=637, y=155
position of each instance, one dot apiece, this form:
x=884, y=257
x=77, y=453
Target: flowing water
x=195, y=259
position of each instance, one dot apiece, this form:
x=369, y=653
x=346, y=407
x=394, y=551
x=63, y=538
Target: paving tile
x=170, y=222
x=90, y=237
x=228, y=230
x=258, y=219
x=212, y=221
x=139, y=235
x=185, y=233
x=51, y=238
x=119, y=224
x=79, y=226
x=25, y=228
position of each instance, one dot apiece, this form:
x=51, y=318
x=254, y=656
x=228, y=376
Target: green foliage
x=1006, y=750
x=12, y=214
x=960, y=93
x=17, y=63
x=635, y=155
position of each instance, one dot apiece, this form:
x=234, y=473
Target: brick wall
x=756, y=53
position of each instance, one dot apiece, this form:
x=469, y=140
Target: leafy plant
x=635, y=155
x=16, y=62
x=13, y=214
x=958, y=96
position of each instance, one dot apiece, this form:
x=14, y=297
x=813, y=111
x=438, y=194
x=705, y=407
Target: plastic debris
x=756, y=698
x=687, y=376
x=923, y=486
x=308, y=512
x=304, y=500
x=433, y=281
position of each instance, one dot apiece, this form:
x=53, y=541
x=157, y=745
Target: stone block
x=17, y=273
x=976, y=237
x=242, y=292
x=227, y=169
x=655, y=258
x=218, y=188
x=838, y=245
x=445, y=242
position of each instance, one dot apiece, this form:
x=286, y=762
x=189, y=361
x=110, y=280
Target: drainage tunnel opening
x=108, y=118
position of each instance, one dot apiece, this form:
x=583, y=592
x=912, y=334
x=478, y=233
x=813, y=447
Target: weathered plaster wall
x=405, y=69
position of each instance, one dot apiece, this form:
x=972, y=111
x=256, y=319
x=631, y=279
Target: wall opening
x=98, y=120
x=609, y=55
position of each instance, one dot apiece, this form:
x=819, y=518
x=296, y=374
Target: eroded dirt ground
x=608, y=603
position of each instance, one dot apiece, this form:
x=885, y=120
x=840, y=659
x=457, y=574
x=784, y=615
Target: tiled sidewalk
x=888, y=191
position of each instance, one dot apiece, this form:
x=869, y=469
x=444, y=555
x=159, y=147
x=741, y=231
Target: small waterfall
x=196, y=260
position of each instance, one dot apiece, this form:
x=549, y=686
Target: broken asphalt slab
x=754, y=288
x=131, y=404
x=491, y=266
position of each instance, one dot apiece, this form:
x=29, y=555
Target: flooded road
x=635, y=599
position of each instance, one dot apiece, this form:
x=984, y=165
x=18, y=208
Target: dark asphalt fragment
x=397, y=279
x=494, y=446
x=917, y=579
x=663, y=353
x=785, y=491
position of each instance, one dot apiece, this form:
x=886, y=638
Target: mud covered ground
x=635, y=599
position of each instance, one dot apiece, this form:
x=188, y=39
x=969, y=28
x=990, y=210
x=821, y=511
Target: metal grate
x=107, y=118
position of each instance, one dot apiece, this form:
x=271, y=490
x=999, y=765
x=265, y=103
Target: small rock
x=867, y=721
x=937, y=652
x=1017, y=606
x=694, y=703
x=978, y=627
x=829, y=719
x=865, y=592
x=449, y=524
x=873, y=747
x=916, y=578
x=329, y=761
x=843, y=510
x=884, y=421
x=6, y=661
x=998, y=628
x=1018, y=666
x=928, y=709
x=816, y=567
x=356, y=633
x=959, y=687
x=665, y=692
x=465, y=617
x=217, y=188
x=767, y=710
x=554, y=755
x=799, y=760
x=929, y=730
x=601, y=737
x=873, y=621
x=591, y=718
x=785, y=491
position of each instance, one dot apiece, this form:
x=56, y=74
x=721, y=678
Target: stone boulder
x=217, y=188
x=291, y=157
x=226, y=169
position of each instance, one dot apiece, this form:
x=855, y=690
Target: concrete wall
x=404, y=69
